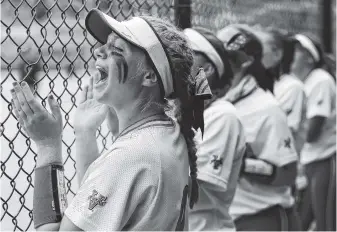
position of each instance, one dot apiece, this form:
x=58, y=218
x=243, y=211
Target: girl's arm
x=88, y=117
x=315, y=126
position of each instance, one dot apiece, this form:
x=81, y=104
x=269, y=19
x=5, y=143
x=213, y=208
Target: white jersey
x=270, y=139
x=220, y=155
x=320, y=89
x=289, y=91
x=138, y=184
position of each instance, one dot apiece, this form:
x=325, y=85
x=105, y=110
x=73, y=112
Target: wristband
x=50, y=198
x=257, y=167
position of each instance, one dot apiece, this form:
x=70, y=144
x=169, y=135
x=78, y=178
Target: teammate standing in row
x=319, y=151
x=288, y=89
x=263, y=200
x=221, y=148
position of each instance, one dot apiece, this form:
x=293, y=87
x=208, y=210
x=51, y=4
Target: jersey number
x=181, y=219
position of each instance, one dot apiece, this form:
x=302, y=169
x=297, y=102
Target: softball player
x=262, y=200
x=142, y=182
x=221, y=148
x=288, y=89
x=319, y=151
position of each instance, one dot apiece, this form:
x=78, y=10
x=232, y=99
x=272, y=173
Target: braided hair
x=326, y=61
x=180, y=56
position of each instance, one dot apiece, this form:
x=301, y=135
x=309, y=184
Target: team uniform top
x=138, y=184
x=320, y=89
x=269, y=138
x=219, y=154
x=289, y=91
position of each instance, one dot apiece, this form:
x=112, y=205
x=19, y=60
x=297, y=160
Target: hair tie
x=201, y=92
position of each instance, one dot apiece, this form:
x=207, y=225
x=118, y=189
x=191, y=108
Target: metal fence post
x=182, y=13
x=327, y=25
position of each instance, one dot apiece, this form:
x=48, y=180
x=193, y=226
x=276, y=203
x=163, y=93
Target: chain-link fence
x=291, y=15
x=45, y=42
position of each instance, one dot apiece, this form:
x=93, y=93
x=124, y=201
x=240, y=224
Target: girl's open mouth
x=103, y=74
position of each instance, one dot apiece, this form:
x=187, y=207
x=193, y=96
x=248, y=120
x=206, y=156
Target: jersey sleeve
x=319, y=101
x=223, y=144
x=275, y=142
x=296, y=111
x=111, y=193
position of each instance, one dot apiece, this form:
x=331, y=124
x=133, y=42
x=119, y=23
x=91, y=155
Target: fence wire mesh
x=291, y=15
x=45, y=43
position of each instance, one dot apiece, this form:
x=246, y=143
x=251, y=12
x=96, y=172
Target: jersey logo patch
x=287, y=143
x=289, y=111
x=216, y=162
x=96, y=199
x=320, y=102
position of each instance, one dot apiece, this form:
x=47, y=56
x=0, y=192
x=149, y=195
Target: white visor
x=138, y=32
x=308, y=45
x=200, y=44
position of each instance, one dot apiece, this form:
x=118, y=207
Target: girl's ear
x=149, y=79
x=209, y=69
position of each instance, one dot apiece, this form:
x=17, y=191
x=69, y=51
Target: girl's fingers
x=17, y=106
x=90, y=94
x=22, y=100
x=32, y=103
x=54, y=107
x=19, y=116
x=83, y=95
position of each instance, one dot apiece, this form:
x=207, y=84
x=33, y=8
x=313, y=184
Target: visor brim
x=100, y=26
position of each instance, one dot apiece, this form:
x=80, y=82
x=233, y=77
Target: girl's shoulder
x=257, y=103
x=319, y=75
x=221, y=106
x=289, y=81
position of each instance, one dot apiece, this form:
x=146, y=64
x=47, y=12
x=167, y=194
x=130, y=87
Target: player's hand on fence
x=89, y=114
x=42, y=127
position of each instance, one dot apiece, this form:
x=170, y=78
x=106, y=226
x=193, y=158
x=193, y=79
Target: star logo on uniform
x=287, y=143
x=289, y=111
x=96, y=199
x=216, y=162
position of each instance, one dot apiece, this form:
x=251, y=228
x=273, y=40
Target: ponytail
x=288, y=55
x=264, y=78
x=184, y=116
x=329, y=64
x=180, y=56
x=184, y=119
x=326, y=61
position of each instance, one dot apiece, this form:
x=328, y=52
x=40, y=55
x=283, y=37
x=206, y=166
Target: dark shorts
x=317, y=202
x=275, y=218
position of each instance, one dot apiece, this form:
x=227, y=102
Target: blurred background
x=45, y=43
